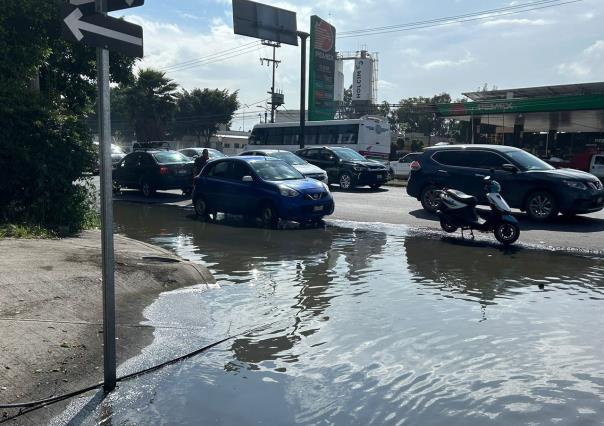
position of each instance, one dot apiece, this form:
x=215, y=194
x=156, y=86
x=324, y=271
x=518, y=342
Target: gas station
x=549, y=121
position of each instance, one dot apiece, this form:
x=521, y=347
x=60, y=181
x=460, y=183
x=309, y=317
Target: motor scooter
x=458, y=211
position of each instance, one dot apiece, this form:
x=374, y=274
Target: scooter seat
x=462, y=198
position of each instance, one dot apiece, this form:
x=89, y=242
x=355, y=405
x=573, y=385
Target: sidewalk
x=51, y=309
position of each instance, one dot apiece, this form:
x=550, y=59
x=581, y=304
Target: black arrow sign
x=103, y=31
x=87, y=6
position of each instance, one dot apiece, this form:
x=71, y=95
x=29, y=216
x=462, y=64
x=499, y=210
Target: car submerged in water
x=259, y=186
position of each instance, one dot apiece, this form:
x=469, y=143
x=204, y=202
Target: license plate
x=318, y=208
x=181, y=172
x=380, y=176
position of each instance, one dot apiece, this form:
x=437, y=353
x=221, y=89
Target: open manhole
x=161, y=259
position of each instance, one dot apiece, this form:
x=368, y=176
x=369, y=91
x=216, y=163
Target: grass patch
x=25, y=231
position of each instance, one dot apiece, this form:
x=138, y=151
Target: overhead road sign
x=87, y=6
x=103, y=31
x=264, y=22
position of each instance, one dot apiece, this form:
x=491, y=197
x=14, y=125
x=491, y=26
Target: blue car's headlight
x=286, y=191
x=576, y=184
x=325, y=187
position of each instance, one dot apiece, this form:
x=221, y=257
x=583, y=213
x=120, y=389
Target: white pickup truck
x=402, y=167
x=596, y=166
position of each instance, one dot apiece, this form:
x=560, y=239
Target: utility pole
x=303, y=36
x=274, y=101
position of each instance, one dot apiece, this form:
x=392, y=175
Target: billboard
x=362, y=80
x=321, y=105
x=264, y=22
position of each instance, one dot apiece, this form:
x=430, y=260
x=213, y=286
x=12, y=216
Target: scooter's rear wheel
x=507, y=233
x=447, y=227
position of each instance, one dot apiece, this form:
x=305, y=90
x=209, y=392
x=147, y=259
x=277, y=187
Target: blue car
x=262, y=187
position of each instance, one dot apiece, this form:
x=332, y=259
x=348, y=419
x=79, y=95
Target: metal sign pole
x=303, y=36
x=103, y=102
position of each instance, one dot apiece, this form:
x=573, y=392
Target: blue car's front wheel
x=269, y=216
x=201, y=208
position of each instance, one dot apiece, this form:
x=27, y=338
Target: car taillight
x=415, y=166
x=164, y=170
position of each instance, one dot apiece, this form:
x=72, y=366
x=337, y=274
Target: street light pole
x=303, y=36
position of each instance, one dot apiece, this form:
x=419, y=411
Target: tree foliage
x=200, y=112
x=150, y=103
x=47, y=89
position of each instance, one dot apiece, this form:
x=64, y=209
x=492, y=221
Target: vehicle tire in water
x=345, y=181
x=269, y=216
x=507, y=233
x=430, y=199
x=541, y=206
x=447, y=227
x=201, y=208
x=147, y=190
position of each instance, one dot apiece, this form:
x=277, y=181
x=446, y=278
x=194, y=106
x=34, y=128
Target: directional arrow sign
x=103, y=31
x=87, y=6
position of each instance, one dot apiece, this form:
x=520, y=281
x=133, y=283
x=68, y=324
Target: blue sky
x=558, y=45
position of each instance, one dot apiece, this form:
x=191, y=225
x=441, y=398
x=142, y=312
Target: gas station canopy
x=566, y=108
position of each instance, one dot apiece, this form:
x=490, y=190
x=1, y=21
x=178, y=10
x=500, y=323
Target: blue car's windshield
x=275, y=170
x=528, y=161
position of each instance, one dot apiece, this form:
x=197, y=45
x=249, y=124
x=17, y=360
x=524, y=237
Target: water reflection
x=459, y=269
x=370, y=326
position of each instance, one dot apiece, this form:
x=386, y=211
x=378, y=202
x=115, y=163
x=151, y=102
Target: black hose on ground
x=48, y=401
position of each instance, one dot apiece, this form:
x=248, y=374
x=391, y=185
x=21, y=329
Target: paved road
x=393, y=205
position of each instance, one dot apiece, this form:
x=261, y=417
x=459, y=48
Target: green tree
x=150, y=103
x=200, y=112
x=47, y=90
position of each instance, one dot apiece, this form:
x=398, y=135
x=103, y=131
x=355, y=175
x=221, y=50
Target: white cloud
x=522, y=22
x=448, y=63
x=588, y=64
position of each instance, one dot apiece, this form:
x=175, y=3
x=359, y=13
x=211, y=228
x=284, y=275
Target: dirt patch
x=51, y=310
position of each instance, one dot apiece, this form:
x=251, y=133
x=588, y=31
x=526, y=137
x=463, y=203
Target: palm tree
x=150, y=103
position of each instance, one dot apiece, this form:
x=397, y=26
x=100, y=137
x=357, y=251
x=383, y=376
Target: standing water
x=363, y=324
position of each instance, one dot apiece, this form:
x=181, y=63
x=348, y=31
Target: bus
x=370, y=136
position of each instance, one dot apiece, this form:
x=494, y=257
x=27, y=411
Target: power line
x=210, y=56
x=476, y=16
x=228, y=54
x=447, y=18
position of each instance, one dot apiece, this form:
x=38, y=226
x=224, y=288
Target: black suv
x=153, y=170
x=527, y=183
x=346, y=166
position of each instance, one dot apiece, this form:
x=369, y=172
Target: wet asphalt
x=392, y=205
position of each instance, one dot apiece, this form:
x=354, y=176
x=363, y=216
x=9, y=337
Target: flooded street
x=362, y=324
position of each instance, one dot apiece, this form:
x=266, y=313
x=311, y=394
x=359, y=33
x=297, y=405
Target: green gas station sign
x=322, y=63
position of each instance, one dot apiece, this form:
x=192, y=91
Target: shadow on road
x=358, y=190
x=423, y=214
x=135, y=196
x=577, y=224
